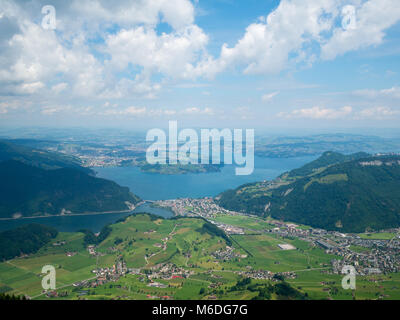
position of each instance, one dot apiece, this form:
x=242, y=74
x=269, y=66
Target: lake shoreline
x=153, y=187
x=77, y=214
x=90, y=221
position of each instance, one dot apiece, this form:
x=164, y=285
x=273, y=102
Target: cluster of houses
x=376, y=261
x=168, y=271
x=266, y=275
x=205, y=207
x=104, y=275
x=228, y=253
x=381, y=256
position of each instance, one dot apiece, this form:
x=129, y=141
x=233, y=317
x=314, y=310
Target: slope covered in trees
x=28, y=191
x=26, y=239
x=346, y=193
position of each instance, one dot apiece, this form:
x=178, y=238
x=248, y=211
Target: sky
x=270, y=65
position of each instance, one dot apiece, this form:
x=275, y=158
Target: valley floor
x=146, y=257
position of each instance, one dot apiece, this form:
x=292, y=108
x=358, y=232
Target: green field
x=377, y=236
x=138, y=240
x=244, y=222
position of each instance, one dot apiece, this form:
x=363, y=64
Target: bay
x=153, y=186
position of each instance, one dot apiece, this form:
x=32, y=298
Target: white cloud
x=140, y=86
x=169, y=112
x=129, y=111
x=29, y=88
x=393, y=92
x=36, y=56
x=288, y=34
x=169, y=54
x=51, y=110
x=137, y=60
x=267, y=44
x=57, y=88
x=318, y=113
x=158, y=112
x=176, y=13
x=373, y=17
x=378, y=113
x=33, y=57
x=269, y=96
x=195, y=110
x=135, y=111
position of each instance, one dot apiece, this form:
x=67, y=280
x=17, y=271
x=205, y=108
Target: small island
x=179, y=168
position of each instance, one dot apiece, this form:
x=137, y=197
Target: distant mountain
x=336, y=192
x=26, y=239
x=30, y=191
x=286, y=147
x=327, y=159
x=38, y=158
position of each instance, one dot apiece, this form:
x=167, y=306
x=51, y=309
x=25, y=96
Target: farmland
x=179, y=259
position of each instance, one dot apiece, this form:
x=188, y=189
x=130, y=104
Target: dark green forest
x=335, y=192
x=26, y=239
x=32, y=191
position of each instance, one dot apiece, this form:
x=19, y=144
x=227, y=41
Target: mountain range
x=348, y=193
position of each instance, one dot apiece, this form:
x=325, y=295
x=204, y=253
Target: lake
x=153, y=186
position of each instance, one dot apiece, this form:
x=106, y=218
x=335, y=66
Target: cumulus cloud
x=33, y=57
x=372, y=18
x=288, y=34
x=115, y=50
x=169, y=54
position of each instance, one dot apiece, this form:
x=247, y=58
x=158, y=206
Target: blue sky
x=271, y=65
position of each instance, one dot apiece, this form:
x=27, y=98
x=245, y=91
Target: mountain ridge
x=357, y=193
x=38, y=157
x=31, y=191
